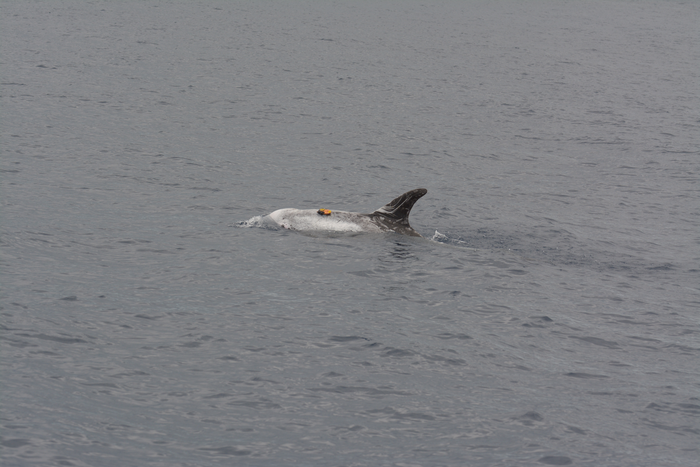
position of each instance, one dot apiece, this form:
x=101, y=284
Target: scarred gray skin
x=392, y=217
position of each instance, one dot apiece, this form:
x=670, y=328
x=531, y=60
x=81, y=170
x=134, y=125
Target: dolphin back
x=398, y=209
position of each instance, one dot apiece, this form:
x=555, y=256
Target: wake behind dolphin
x=392, y=217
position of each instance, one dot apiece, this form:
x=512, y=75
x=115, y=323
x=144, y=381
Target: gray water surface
x=549, y=316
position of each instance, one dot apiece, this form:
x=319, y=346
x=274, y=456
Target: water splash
x=260, y=222
x=255, y=221
x=438, y=237
x=447, y=239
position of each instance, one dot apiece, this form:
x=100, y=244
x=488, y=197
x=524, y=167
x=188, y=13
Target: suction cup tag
x=324, y=212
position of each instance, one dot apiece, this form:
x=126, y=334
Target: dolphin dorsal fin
x=399, y=209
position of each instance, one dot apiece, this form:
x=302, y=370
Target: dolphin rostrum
x=392, y=217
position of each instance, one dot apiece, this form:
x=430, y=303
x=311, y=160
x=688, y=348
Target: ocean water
x=549, y=316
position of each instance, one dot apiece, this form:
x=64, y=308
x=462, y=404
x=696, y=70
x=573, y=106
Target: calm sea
x=549, y=316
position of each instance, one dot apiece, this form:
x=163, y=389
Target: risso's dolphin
x=392, y=217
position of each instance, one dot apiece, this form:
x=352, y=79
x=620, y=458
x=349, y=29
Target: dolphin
x=392, y=217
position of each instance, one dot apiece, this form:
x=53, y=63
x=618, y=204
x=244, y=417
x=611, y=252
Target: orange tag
x=324, y=212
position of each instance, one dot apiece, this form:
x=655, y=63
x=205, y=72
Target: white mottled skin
x=338, y=221
x=392, y=217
